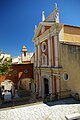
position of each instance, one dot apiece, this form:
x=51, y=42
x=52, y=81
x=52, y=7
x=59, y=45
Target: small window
x=24, y=53
x=66, y=76
x=25, y=71
x=44, y=59
x=15, y=72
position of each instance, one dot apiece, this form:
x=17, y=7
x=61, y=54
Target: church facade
x=52, y=71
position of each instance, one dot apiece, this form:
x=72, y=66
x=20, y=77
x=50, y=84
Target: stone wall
x=70, y=61
x=71, y=34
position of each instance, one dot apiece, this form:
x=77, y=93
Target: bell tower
x=24, y=54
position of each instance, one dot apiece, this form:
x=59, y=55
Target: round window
x=15, y=72
x=25, y=71
x=66, y=76
x=43, y=46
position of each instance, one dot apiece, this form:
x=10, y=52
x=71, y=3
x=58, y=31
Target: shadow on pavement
x=18, y=101
x=69, y=100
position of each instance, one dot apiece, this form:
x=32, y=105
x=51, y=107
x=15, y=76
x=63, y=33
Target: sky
x=18, y=18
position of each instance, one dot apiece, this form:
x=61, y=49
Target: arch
x=7, y=87
x=24, y=84
x=45, y=85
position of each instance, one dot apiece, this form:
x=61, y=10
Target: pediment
x=52, y=19
x=43, y=25
x=54, y=16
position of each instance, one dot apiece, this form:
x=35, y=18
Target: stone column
x=50, y=84
x=49, y=51
x=37, y=80
x=35, y=57
x=38, y=54
x=58, y=83
x=42, y=81
x=56, y=40
x=40, y=84
x=34, y=81
x=56, y=46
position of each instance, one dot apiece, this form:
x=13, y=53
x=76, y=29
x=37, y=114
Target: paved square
x=39, y=111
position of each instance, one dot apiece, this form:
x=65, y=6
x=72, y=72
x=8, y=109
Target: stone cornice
x=52, y=31
x=48, y=23
x=37, y=31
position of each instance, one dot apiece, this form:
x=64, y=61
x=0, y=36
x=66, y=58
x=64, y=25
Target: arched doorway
x=46, y=87
x=24, y=84
x=24, y=87
x=7, y=89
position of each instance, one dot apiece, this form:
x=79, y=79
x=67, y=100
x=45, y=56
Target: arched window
x=44, y=59
x=24, y=54
x=43, y=47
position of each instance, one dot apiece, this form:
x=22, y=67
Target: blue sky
x=18, y=18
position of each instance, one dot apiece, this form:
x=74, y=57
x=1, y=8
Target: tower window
x=24, y=53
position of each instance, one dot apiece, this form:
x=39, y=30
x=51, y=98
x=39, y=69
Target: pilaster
x=38, y=54
x=56, y=40
x=50, y=84
x=40, y=84
x=35, y=56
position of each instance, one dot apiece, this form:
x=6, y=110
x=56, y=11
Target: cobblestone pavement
x=34, y=112
x=39, y=111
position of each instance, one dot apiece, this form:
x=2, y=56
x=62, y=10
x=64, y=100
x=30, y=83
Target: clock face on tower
x=43, y=28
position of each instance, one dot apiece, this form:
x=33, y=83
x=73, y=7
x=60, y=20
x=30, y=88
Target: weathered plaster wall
x=70, y=61
x=71, y=34
x=19, y=71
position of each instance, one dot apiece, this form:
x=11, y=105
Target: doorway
x=46, y=87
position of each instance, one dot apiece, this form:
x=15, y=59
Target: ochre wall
x=70, y=61
x=19, y=71
x=71, y=34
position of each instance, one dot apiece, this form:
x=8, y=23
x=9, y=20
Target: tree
x=5, y=64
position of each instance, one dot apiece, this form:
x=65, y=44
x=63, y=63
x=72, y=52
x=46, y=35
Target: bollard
x=76, y=96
